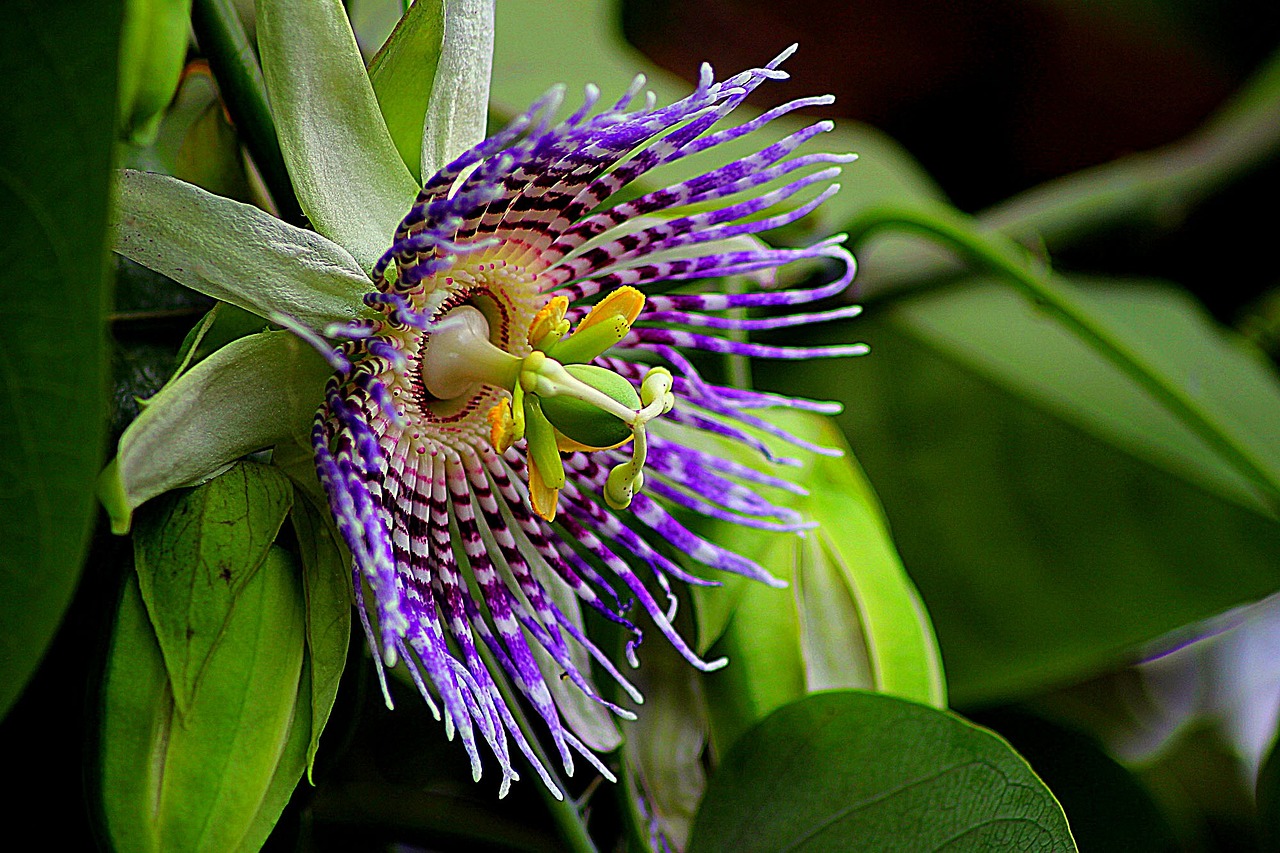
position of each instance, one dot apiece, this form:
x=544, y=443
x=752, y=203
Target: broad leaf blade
x=256, y=392
x=236, y=252
x=402, y=75
x=1044, y=547
x=346, y=171
x=54, y=192
x=200, y=781
x=848, y=770
x=852, y=617
x=194, y=552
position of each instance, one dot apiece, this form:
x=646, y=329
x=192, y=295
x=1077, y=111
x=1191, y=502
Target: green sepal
x=542, y=444
x=585, y=423
x=586, y=344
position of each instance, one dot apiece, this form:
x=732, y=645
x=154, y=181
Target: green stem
x=573, y=830
x=1002, y=255
x=1154, y=188
x=235, y=66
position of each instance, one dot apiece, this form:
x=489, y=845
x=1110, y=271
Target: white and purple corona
x=524, y=388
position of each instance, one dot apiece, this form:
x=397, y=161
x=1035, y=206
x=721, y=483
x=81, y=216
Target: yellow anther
x=625, y=302
x=502, y=427
x=549, y=324
x=543, y=497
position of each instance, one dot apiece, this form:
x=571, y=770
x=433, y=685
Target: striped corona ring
x=519, y=408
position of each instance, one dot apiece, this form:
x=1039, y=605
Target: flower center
x=559, y=402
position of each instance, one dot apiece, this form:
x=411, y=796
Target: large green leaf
x=194, y=551
x=1053, y=515
x=851, y=618
x=346, y=171
x=200, y=781
x=859, y=771
x=58, y=103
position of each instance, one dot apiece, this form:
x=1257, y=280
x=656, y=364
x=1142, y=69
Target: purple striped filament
x=439, y=520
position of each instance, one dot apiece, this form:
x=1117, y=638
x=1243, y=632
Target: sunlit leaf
x=346, y=172
x=194, y=551
x=849, y=770
x=54, y=192
x=199, y=781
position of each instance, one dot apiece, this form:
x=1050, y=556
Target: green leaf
x=195, y=550
x=852, y=617
x=848, y=770
x=403, y=73
x=54, y=193
x=346, y=172
x=236, y=252
x=293, y=759
x=1110, y=809
x=326, y=580
x=1052, y=514
x=200, y=781
x=256, y=392
x=459, y=108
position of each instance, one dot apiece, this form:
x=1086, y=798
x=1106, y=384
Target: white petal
x=459, y=105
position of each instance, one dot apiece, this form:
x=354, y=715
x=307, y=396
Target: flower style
x=510, y=412
x=490, y=393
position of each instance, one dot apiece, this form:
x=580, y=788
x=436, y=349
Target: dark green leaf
x=1109, y=808
x=326, y=579
x=859, y=771
x=195, y=550
x=208, y=778
x=1052, y=516
x=58, y=102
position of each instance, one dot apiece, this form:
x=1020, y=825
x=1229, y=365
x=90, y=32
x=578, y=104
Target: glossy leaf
x=255, y=392
x=153, y=51
x=54, y=194
x=403, y=73
x=346, y=172
x=194, y=551
x=849, y=770
x=1047, y=537
x=851, y=618
x=1109, y=808
x=199, y=781
x=236, y=252
x=326, y=581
